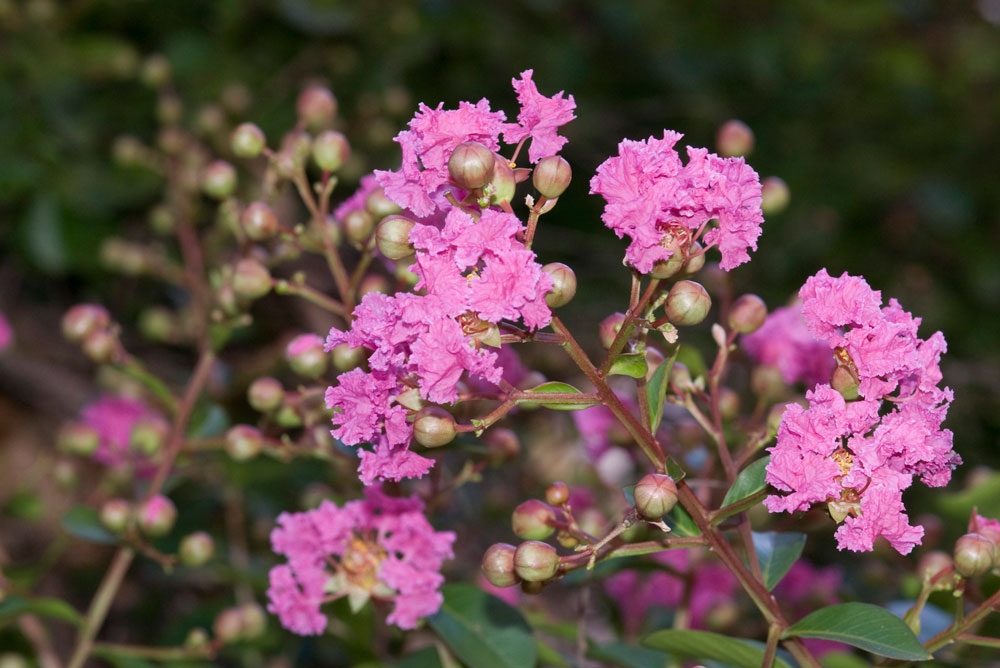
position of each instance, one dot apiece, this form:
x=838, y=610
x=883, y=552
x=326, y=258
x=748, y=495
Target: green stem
x=771, y=648
x=134, y=369
x=628, y=325
x=154, y=653
x=717, y=516
x=283, y=287
x=99, y=606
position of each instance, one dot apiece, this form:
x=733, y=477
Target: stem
x=529, y=235
x=629, y=324
x=134, y=369
x=773, y=634
x=717, y=516
x=154, y=653
x=283, y=287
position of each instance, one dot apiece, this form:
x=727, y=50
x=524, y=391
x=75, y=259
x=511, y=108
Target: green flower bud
x=551, y=176
x=767, y=382
x=196, y=549
x=197, y=639
x=258, y=221
x=680, y=379
x=346, y=358
x=498, y=565
x=306, y=356
x=975, y=554
x=82, y=319
x=155, y=71
x=503, y=444
x=557, y=493
x=729, y=403
x=157, y=323
x=535, y=561
x=471, y=165
x=503, y=186
x=228, y=626
x=663, y=269
x=609, y=328
x=775, y=195
x=101, y=346
x=845, y=381
x=747, y=314
x=563, y=284
x=380, y=206
x=393, y=237
x=157, y=515
x=265, y=394
x=373, y=283
x=358, y=226
x=434, y=427
x=254, y=621
x=655, y=495
x=734, y=138
x=330, y=150
x=161, y=220
x=687, y=303
x=243, y=442
x=695, y=260
x=219, y=180
x=247, y=141
x=148, y=436
x=533, y=520
x=316, y=107
x=251, y=280
x=78, y=439
x=115, y=514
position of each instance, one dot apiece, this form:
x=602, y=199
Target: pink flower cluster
x=379, y=546
x=422, y=181
x=783, y=341
x=113, y=418
x=859, y=456
x=474, y=273
x=655, y=199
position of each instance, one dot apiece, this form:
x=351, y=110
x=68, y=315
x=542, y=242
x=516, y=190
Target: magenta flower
x=859, y=456
x=380, y=547
x=657, y=200
x=783, y=341
x=539, y=118
x=113, y=418
x=6, y=333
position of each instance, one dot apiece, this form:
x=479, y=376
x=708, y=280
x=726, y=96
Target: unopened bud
x=115, y=515
x=680, y=379
x=734, y=138
x=228, y=626
x=330, y=150
x=197, y=639
x=932, y=564
x=695, y=260
x=247, y=141
x=148, y=436
x=254, y=620
x=251, y=280
x=157, y=323
x=845, y=381
x=243, y=442
x=563, y=284
x=655, y=495
x=503, y=444
x=503, y=186
x=196, y=549
x=471, y=165
x=551, y=176
x=533, y=520
x=358, y=226
x=219, y=180
x=161, y=220
x=306, y=356
x=609, y=328
x=373, y=283
x=557, y=493
x=498, y=565
x=775, y=195
x=316, y=107
x=83, y=319
x=729, y=403
x=767, y=382
x=393, y=237
x=346, y=358
x=975, y=554
x=433, y=427
x=747, y=314
x=535, y=561
x=78, y=439
x=258, y=221
x=100, y=346
x=663, y=269
x=380, y=206
x=157, y=516
x=687, y=303
x=155, y=71
x=265, y=394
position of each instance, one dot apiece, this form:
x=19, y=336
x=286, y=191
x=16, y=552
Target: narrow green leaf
x=702, y=645
x=208, y=419
x=554, y=387
x=748, y=482
x=680, y=522
x=550, y=656
x=426, y=657
x=83, y=522
x=482, y=630
x=656, y=391
x=777, y=551
x=863, y=625
x=632, y=365
x=13, y=606
x=627, y=656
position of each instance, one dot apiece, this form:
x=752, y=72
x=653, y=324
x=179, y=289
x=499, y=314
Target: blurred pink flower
x=783, y=341
x=113, y=418
x=806, y=588
x=303, y=343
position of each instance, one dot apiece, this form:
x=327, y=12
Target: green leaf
x=863, y=625
x=550, y=656
x=776, y=552
x=632, y=365
x=680, y=522
x=207, y=420
x=554, y=387
x=692, y=359
x=482, y=630
x=83, y=522
x=422, y=658
x=702, y=645
x=843, y=660
x=627, y=656
x=748, y=482
x=13, y=606
x=656, y=391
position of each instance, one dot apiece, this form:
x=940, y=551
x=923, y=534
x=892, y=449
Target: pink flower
x=657, y=200
x=539, y=118
x=6, y=333
x=783, y=341
x=303, y=343
x=113, y=418
x=859, y=456
x=379, y=547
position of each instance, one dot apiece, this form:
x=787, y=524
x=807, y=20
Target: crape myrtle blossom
x=658, y=201
x=379, y=546
x=113, y=418
x=858, y=456
x=473, y=274
x=539, y=118
x=783, y=341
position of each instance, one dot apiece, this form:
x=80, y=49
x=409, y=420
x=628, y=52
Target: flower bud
x=306, y=356
x=729, y=403
x=157, y=323
x=380, y=206
x=532, y=520
x=975, y=554
x=251, y=280
x=219, y=180
x=695, y=260
x=287, y=417
x=734, y=138
x=551, y=176
x=846, y=382
x=258, y=221
x=663, y=269
x=196, y=549
x=687, y=303
x=82, y=319
x=934, y=562
x=346, y=358
x=247, y=141
x=609, y=328
x=557, y=493
x=228, y=626
x=747, y=314
x=503, y=186
x=196, y=639
x=655, y=495
x=78, y=439
x=243, y=442
x=680, y=379
x=535, y=561
x=393, y=237
x=503, y=444
x=148, y=436
x=265, y=394
x=253, y=621
x=563, y=284
x=100, y=346
x=358, y=226
x=767, y=382
x=161, y=220
x=330, y=150
x=373, y=283
x=157, y=516
x=433, y=427
x=115, y=515
x=498, y=565
x=155, y=71
x=775, y=195
x=471, y=165
x=316, y=107
x=210, y=121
